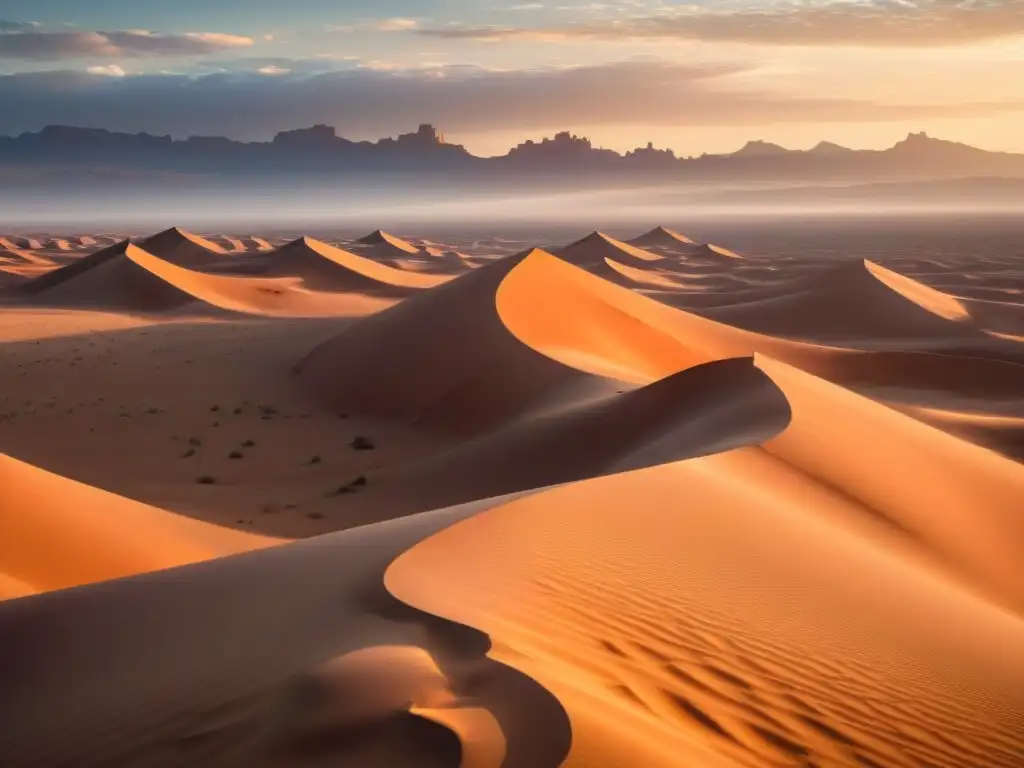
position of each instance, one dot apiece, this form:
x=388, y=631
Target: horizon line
x=649, y=146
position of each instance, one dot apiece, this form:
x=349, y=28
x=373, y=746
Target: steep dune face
x=459, y=369
x=56, y=533
x=958, y=501
x=636, y=277
x=661, y=237
x=601, y=328
x=75, y=268
x=324, y=267
x=597, y=246
x=117, y=278
x=384, y=246
x=379, y=237
x=701, y=410
x=183, y=248
x=860, y=300
x=295, y=655
x=662, y=240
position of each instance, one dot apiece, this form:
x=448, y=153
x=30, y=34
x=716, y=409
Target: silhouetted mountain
x=319, y=151
x=760, y=148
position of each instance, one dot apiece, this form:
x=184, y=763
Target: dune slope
x=294, y=656
x=56, y=533
x=183, y=248
x=324, y=267
x=860, y=300
x=685, y=616
x=459, y=370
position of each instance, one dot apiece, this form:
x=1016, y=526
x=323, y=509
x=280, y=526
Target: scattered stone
x=362, y=443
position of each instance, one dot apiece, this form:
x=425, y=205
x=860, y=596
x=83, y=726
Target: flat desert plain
x=616, y=502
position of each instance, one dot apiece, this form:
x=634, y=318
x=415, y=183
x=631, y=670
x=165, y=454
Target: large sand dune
x=597, y=246
x=127, y=278
x=183, y=248
x=637, y=502
x=860, y=300
x=324, y=267
x=459, y=369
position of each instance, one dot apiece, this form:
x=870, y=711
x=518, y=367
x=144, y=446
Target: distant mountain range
x=85, y=153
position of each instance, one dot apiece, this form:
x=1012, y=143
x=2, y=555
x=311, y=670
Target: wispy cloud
x=44, y=45
x=377, y=25
x=832, y=22
x=377, y=99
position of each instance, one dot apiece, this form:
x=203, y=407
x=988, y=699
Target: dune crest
x=125, y=277
x=485, y=378
x=859, y=300
x=661, y=237
x=597, y=246
x=324, y=267
x=382, y=238
x=183, y=248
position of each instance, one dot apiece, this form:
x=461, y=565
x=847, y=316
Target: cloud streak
x=22, y=42
x=374, y=101
x=863, y=23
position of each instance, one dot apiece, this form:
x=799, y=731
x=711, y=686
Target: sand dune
x=182, y=248
x=10, y=280
x=19, y=242
x=460, y=369
x=835, y=306
x=701, y=410
x=326, y=268
x=684, y=617
x=637, y=276
x=249, y=657
x=57, y=533
x=112, y=278
x=13, y=247
x=597, y=246
x=661, y=237
x=386, y=243
x=125, y=277
x=630, y=503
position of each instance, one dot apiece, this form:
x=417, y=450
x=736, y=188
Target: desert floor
x=481, y=501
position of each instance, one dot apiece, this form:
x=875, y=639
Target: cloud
x=53, y=46
x=866, y=23
x=395, y=25
x=366, y=101
x=110, y=70
x=272, y=70
x=17, y=26
x=377, y=25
